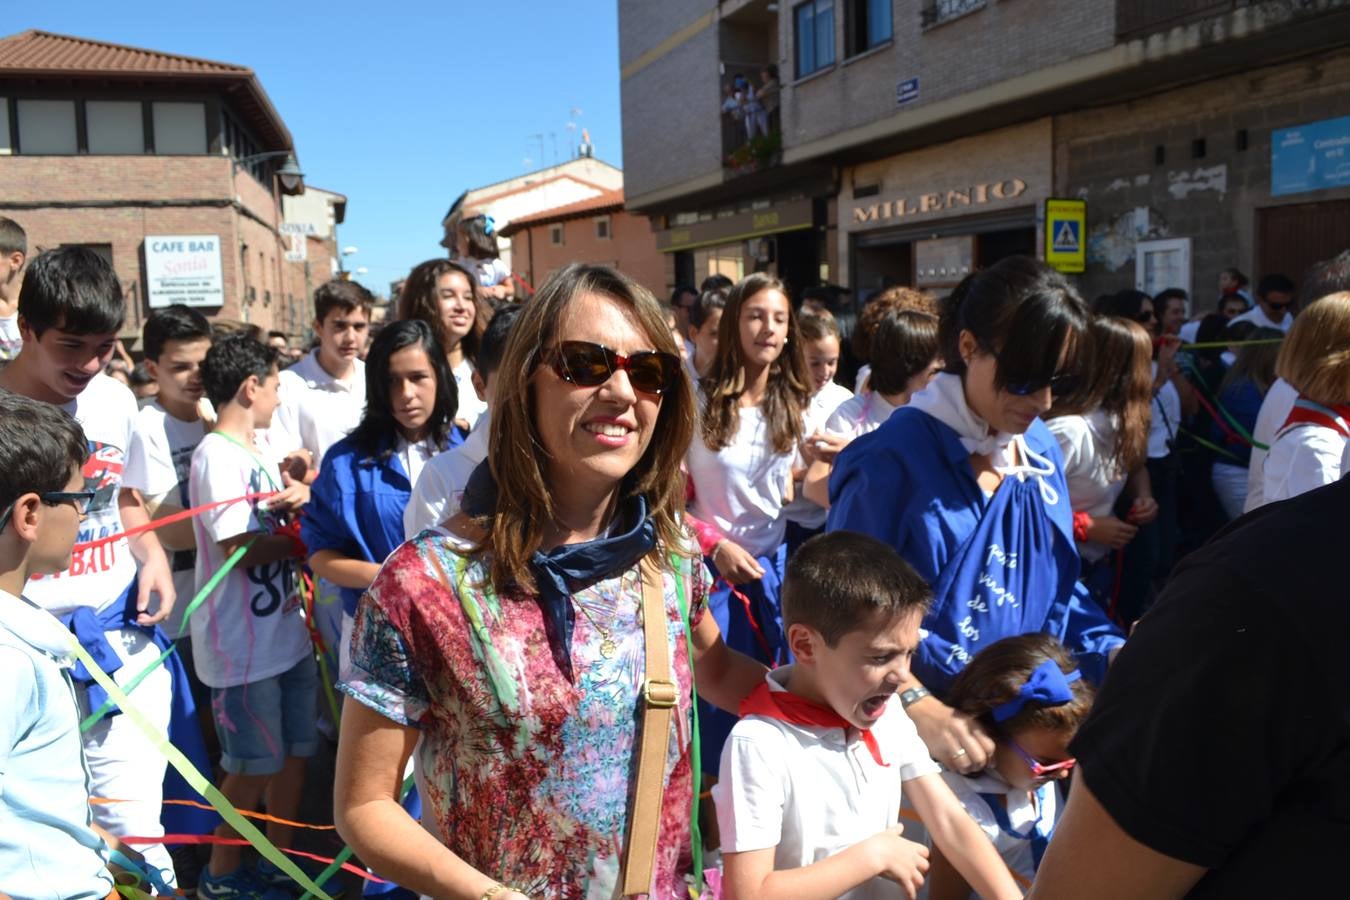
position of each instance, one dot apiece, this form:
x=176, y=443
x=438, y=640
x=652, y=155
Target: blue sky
x=399, y=105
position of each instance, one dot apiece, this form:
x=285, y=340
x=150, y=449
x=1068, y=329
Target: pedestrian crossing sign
x=1065, y=227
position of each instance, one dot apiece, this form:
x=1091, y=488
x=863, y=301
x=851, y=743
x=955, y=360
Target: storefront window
x=728, y=260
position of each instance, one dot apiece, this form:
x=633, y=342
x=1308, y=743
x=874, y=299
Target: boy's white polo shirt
x=318, y=410
x=810, y=791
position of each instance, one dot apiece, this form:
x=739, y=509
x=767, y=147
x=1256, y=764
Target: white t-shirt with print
x=10, y=339
x=810, y=792
x=250, y=628
x=157, y=466
x=437, y=490
x=740, y=489
x=97, y=576
x=317, y=410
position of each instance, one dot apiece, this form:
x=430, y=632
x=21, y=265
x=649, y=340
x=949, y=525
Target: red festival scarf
x=788, y=707
x=1307, y=412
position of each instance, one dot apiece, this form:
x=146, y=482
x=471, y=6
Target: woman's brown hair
x=1119, y=381
x=516, y=453
x=1315, y=356
x=893, y=298
x=419, y=300
x=1256, y=362
x=996, y=675
x=789, y=391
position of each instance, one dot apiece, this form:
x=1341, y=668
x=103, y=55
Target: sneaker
x=273, y=877
x=241, y=884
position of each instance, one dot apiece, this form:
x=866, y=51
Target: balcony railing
x=751, y=135
x=1137, y=18
x=935, y=12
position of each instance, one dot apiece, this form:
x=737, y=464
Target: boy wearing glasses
x=70, y=312
x=50, y=847
x=809, y=798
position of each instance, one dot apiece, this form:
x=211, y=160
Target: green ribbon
x=195, y=779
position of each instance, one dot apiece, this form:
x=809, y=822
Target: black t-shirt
x=1221, y=736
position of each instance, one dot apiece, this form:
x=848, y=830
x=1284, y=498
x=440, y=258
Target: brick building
x=916, y=139
x=595, y=230
x=165, y=164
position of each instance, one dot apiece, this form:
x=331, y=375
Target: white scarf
x=945, y=400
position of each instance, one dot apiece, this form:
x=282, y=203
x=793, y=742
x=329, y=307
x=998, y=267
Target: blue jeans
x=263, y=722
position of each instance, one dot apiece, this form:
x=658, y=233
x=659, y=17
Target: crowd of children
x=938, y=566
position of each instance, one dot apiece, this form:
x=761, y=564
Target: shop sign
x=792, y=216
x=1312, y=157
x=926, y=204
x=907, y=91
x=183, y=269
x=1065, y=230
x=299, y=247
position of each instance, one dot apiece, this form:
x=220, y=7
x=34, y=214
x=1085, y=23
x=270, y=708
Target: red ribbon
x=786, y=706
x=240, y=842
x=169, y=520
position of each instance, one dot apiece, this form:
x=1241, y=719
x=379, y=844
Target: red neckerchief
x=786, y=706
x=1307, y=412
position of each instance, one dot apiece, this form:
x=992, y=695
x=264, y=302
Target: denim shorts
x=263, y=722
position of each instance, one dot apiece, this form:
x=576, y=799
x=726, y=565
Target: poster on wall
x=1311, y=157
x=183, y=268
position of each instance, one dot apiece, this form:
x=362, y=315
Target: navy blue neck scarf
x=564, y=570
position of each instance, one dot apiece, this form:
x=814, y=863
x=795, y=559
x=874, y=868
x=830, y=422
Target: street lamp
x=290, y=176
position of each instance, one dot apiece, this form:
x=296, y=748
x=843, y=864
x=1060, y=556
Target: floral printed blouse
x=523, y=774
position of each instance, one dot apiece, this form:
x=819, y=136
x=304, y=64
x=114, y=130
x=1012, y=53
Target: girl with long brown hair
x=1103, y=433
x=445, y=295
x=755, y=398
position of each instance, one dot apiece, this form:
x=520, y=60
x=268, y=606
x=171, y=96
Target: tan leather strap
x=659, y=699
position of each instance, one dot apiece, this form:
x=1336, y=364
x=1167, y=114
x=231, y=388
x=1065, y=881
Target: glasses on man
x=1039, y=769
x=80, y=499
x=587, y=365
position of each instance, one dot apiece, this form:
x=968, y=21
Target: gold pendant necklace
x=608, y=647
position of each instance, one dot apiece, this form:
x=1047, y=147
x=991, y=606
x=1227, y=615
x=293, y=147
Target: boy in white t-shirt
x=13, y=253
x=168, y=430
x=808, y=804
x=324, y=394
x=249, y=640
x=70, y=312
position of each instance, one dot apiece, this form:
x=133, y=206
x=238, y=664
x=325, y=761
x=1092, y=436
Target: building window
x=935, y=12
x=602, y=228
x=814, y=22
x=6, y=145
x=180, y=128
x=555, y=234
x=47, y=127
x=867, y=25
x=114, y=127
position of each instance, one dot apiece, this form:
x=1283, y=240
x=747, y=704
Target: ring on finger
x=958, y=753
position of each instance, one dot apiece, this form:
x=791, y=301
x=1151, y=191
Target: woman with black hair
x=355, y=518
x=967, y=483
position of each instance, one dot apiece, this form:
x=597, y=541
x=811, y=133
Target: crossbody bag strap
x=659, y=698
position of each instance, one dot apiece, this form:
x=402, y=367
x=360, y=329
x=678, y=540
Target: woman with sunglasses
x=755, y=399
x=968, y=484
x=1028, y=693
x=505, y=647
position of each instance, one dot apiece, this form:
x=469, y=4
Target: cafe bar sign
x=920, y=205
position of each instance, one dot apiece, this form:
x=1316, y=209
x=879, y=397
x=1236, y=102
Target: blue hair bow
x=489, y=225
x=1048, y=686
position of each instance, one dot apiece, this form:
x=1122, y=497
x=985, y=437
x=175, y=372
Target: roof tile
x=42, y=51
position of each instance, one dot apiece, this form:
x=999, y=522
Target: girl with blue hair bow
x=1028, y=693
